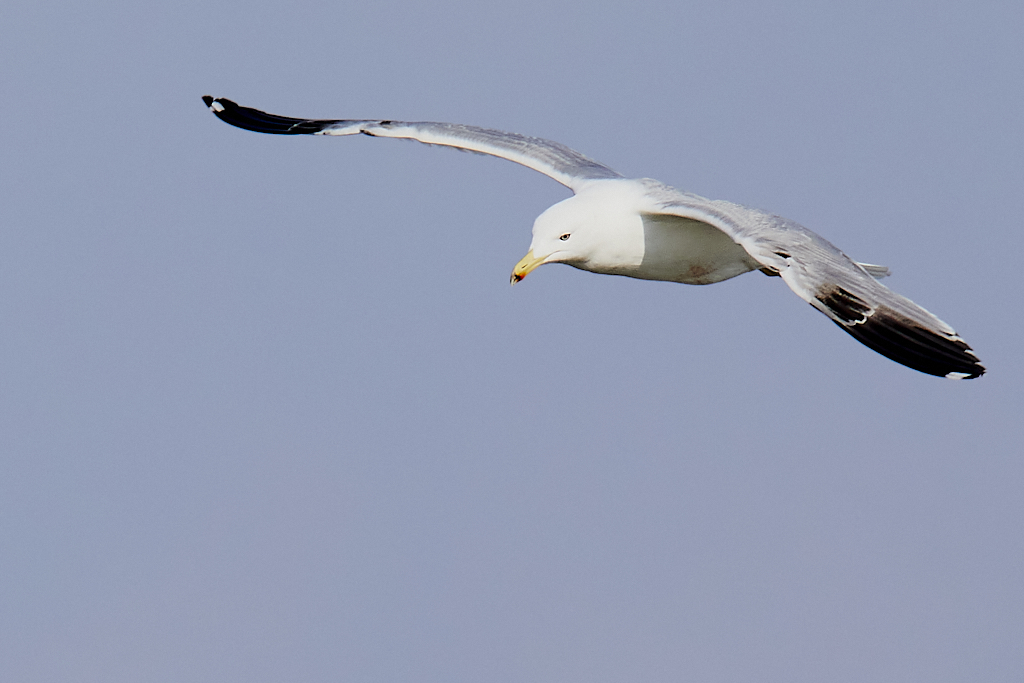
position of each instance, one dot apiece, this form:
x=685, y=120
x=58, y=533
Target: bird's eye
x=564, y=237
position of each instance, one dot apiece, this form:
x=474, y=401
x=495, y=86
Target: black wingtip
x=908, y=341
x=900, y=339
x=260, y=121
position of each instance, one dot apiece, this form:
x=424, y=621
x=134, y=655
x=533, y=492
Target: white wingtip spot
x=957, y=375
x=217, y=106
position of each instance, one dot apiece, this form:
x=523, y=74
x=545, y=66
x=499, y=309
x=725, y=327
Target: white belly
x=683, y=250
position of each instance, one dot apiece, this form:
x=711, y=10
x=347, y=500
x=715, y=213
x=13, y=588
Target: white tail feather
x=877, y=272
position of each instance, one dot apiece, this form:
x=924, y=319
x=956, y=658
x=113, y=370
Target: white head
x=596, y=231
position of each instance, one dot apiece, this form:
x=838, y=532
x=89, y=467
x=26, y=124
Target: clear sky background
x=270, y=411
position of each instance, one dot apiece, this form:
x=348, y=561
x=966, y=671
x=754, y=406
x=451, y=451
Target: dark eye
x=564, y=237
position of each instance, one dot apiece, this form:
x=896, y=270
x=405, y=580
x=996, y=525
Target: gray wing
x=829, y=280
x=565, y=165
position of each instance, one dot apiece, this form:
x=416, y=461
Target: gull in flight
x=644, y=229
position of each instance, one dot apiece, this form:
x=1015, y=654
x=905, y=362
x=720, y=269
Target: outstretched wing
x=826, y=278
x=565, y=165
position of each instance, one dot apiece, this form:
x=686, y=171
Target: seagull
x=642, y=228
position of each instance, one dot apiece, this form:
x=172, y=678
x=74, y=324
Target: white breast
x=683, y=250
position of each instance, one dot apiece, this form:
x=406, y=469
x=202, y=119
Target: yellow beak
x=524, y=267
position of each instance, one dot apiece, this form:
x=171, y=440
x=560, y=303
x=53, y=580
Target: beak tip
x=523, y=268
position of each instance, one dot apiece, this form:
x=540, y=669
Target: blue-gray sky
x=269, y=409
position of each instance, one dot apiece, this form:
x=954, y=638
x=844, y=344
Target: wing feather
x=555, y=160
x=831, y=282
